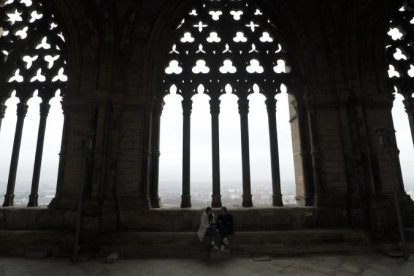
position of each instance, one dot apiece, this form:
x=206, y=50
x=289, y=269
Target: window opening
x=33, y=61
x=399, y=51
x=245, y=54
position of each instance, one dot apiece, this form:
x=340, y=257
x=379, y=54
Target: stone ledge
x=185, y=244
x=37, y=218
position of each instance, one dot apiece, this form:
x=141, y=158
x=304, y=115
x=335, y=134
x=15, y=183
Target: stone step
x=185, y=244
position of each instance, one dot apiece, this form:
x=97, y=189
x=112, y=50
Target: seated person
x=225, y=226
x=208, y=227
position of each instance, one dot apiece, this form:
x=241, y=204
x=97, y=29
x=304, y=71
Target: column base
x=305, y=200
x=247, y=201
x=277, y=200
x=33, y=201
x=185, y=201
x=216, y=201
x=64, y=204
x=155, y=202
x=8, y=200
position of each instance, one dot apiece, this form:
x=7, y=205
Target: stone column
x=244, y=127
x=351, y=159
x=305, y=162
x=21, y=114
x=186, y=196
x=215, y=140
x=314, y=150
x=155, y=155
x=62, y=155
x=3, y=108
x=44, y=112
x=409, y=108
x=99, y=173
x=274, y=151
x=146, y=162
x=371, y=185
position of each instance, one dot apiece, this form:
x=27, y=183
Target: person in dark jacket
x=225, y=227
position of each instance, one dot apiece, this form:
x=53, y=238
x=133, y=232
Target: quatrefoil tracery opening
x=400, y=50
x=30, y=53
x=226, y=38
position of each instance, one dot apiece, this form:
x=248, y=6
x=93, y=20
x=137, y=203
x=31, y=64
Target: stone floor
x=333, y=264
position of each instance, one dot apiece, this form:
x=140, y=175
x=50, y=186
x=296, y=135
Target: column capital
x=22, y=109
x=271, y=104
x=44, y=108
x=408, y=105
x=243, y=103
x=187, y=106
x=3, y=108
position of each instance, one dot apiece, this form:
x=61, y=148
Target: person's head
x=223, y=210
x=208, y=210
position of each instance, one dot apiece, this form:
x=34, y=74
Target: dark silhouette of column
x=155, y=155
x=44, y=112
x=314, y=151
x=244, y=127
x=274, y=151
x=3, y=108
x=215, y=140
x=62, y=155
x=409, y=108
x=186, y=196
x=21, y=114
x=146, y=164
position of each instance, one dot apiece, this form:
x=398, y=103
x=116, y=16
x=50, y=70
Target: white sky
x=230, y=141
x=51, y=149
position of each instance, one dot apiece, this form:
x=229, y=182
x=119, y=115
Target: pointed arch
x=34, y=60
x=248, y=52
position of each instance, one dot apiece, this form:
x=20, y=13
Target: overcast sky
x=28, y=146
x=230, y=141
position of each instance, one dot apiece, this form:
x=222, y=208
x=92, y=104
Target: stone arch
x=162, y=34
x=35, y=60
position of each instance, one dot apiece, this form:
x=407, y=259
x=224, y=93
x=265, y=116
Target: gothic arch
x=163, y=34
x=34, y=60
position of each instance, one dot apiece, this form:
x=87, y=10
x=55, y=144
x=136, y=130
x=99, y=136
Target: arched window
x=227, y=47
x=400, y=53
x=33, y=59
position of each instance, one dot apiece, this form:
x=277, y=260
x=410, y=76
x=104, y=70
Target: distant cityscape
x=170, y=193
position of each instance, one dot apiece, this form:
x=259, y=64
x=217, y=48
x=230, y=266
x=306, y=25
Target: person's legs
x=212, y=233
x=223, y=237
